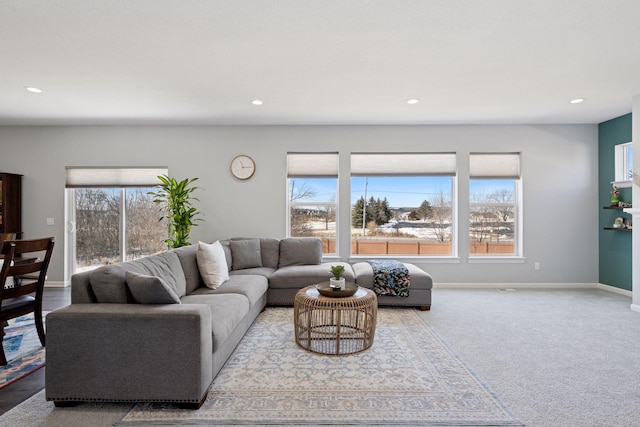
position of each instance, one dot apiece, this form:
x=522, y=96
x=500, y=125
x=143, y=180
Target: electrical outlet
x=536, y=265
x=50, y=221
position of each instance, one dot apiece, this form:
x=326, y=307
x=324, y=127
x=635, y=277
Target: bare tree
x=97, y=214
x=504, y=203
x=98, y=231
x=441, y=214
x=301, y=192
x=144, y=235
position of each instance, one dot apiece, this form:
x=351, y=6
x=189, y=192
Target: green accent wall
x=615, y=246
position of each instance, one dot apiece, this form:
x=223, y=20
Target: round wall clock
x=243, y=167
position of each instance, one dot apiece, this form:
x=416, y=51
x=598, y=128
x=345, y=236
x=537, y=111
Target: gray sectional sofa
x=151, y=330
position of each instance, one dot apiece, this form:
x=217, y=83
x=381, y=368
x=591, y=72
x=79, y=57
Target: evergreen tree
x=356, y=213
x=377, y=211
x=425, y=211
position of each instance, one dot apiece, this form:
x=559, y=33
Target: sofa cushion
x=212, y=264
x=299, y=276
x=109, y=283
x=227, y=312
x=226, y=246
x=254, y=287
x=300, y=251
x=259, y=271
x=270, y=250
x=150, y=289
x=246, y=253
x=189, y=262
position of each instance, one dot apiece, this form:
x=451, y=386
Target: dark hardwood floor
x=24, y=388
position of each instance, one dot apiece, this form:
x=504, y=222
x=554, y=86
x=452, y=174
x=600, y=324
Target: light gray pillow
x=246, y=254
x=300, y=251
x=150, y=289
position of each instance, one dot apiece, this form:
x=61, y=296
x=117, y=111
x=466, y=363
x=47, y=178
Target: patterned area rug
x=408, y=377
x=22, y=349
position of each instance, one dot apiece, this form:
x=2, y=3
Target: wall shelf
x=617, y=208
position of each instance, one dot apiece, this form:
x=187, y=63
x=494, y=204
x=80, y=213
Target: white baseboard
x=614, y=290
x=532, y=286
x=514, y=285
x=52, y=284
x=635, y=307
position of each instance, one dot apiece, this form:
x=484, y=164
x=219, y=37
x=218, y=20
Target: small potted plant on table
x=337, y=282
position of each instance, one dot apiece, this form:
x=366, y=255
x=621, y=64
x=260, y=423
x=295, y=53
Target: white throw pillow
x=212, y=264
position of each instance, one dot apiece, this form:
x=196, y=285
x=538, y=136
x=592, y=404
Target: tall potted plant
x=175, y=200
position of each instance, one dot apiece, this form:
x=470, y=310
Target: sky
x=402, y=191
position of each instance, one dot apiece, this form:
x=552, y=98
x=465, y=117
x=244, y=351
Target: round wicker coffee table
x=333, y=325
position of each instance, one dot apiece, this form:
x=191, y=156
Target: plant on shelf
x=175, y=200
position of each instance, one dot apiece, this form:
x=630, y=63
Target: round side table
x=332, y=325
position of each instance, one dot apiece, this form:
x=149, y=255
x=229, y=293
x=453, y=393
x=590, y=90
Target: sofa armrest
x=129, y=352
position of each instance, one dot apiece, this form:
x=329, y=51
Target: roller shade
x=78, y=177
x=317, y=165
x=403, y=164
x=494, y=165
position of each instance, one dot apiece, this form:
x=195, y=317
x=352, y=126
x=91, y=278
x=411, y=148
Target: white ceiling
x=317, y=61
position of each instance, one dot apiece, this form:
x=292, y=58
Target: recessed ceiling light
x=577, y=100
x=256, y=102
x=33, y=89
x=413, y=101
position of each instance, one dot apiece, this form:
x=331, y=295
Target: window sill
x=443, y=259
x=496, y=260
x=622, y=184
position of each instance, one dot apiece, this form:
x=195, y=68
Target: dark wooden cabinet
x=11, y=203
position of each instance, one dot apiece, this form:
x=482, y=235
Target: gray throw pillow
x=150, y=289
x=109, y=285
x=300, y=251
x=246, y=254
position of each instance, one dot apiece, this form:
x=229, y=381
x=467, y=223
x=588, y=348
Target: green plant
x=337, y=271
x=175, y=200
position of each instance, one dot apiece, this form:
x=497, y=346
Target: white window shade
x=317, y=165
x=403, y=164
x=114, y=177
x=494, y=165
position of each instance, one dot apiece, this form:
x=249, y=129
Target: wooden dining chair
x=27, y=262
x=6, y=236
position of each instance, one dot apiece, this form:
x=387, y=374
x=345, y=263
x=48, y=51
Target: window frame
x=412, y=164
x=120, y=178
x=504, y=166
x=314, y=165
x=623, y=161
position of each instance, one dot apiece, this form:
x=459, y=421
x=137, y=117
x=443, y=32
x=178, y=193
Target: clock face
x=243, y=167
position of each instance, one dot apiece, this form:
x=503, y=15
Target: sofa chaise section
x=419, y=291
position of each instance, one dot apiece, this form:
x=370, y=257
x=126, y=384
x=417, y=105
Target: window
x=312, y=185
x=494, y=206
x=623, y=164
x=402, y=203
x=113, y=217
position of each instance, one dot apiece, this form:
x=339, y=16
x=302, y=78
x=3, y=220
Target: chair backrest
x=27, y=261
x=6, y=236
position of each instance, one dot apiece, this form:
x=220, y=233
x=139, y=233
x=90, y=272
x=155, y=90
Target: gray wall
x=559, y=170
